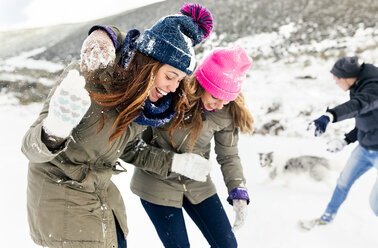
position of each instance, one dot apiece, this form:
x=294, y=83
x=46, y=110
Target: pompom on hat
x=346, y=67
x=172, y=38
x=222, y=72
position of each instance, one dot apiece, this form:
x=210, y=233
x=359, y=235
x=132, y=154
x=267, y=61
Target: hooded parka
x=71, y=201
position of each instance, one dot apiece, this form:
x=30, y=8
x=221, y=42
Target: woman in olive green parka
x=87, y=124
x=217, y=110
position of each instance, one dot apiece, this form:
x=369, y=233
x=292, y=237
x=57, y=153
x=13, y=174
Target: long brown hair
x=128, y=91
x=241, y=117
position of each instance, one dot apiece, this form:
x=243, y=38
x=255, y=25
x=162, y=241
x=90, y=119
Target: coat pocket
x=65, y=213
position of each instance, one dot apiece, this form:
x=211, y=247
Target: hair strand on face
x=126, y=92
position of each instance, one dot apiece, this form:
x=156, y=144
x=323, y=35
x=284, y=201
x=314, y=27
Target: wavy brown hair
x=128, y=91
x=241, y=117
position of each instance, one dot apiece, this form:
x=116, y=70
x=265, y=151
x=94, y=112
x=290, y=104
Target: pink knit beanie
x=221, y=73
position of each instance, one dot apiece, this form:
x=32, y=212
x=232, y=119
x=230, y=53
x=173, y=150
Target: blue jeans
x=360, y=161
x=208, y=215
x=120, y=237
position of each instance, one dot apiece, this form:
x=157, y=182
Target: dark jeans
x=120, y=237
x=208, y=215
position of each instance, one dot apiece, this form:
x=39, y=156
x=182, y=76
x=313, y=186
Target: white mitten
x=68, y=105
x=97, y=51
x=240, y=208
x=192, y=166
x=336, y=145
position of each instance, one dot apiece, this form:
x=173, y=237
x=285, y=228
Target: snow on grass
x=276, y=205
x=24, y=61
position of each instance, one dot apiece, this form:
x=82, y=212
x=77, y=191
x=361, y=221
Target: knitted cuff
x=109, y=31
x=237, y=193
x=332, y=115
x=329, y=115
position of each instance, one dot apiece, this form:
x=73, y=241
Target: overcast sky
x=16, y=14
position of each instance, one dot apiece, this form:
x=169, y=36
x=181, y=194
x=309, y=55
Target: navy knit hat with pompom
x=172, y=38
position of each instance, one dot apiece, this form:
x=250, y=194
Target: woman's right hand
x=68, y=105
x=192, y=166
x=97, y=52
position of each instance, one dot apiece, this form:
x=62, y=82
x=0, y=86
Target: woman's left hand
x=97, y=51
x=240, y=208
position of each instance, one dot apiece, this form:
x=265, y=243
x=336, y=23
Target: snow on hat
x=221, y=72
x=172, y=38
x=346, y=67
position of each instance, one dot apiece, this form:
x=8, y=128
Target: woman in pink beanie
x=216, y=110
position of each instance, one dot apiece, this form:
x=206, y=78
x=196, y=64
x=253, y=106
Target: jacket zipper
x=183, y=185
x=232, y=137
x=182, y=142
x=153, y=139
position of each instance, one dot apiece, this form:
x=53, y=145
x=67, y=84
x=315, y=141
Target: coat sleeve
x=33, y=145
x=148, y=157
x=226, y=149
x=362, y=102
x=120, y=36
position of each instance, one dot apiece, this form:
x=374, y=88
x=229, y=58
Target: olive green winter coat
x=170, y=190
x=71, y=201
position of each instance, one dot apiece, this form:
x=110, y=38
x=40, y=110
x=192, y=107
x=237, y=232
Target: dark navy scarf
x=156, y=114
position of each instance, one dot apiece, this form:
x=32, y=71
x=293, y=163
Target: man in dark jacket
x=362, y=83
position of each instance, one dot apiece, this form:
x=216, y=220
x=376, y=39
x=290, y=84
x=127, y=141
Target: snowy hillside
x=307, y=79
x=291, y=31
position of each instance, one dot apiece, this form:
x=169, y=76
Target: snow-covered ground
x=289, y=93
x=276, y=206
